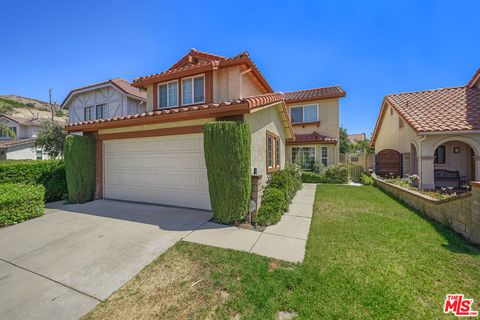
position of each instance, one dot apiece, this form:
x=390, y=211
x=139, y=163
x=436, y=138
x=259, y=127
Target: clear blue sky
x=370, y=48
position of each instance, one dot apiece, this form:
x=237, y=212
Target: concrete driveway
x=63, y=264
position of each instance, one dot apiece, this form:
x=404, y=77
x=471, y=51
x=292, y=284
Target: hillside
x=28, y=107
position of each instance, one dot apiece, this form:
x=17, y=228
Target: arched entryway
x=454, y=164
x=388, y=162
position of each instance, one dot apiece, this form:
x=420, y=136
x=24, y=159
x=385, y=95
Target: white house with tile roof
x=433, y=133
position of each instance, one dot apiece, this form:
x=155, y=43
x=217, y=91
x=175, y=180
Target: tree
x=6, y=131
x=345, y=144
x=363, y=146
x=51, y=138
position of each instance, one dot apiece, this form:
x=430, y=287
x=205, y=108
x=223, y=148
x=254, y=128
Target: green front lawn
x=368, y=256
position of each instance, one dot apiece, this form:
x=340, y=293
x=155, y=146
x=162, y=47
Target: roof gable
x=475, y=81
x=194, y=57
x=118, y=83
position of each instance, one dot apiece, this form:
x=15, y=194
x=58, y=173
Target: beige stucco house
x=434, y=134
x=156, y=155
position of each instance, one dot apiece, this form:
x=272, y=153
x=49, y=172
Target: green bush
x=336, y=174
x=310, y=177
x=366, y=180
x=227, y=147
x=80, y=162
x=20, y=202
x=272, y=208
x=49, y=173
x=289, y=180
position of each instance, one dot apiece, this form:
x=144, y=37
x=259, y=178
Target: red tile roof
x=250, y=103
x=120, y=83
x=186, y=59
x=212, y=61
x=314, y=94
x=312, y=138
x=447, y=109
x=11, y=143
x=475, y=79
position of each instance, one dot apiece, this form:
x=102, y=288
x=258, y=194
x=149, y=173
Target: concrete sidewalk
x=285, y=241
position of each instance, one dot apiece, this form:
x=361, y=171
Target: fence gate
x=388, y=162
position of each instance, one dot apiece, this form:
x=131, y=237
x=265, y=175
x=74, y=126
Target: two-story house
x=22, y=147
x=156, y=155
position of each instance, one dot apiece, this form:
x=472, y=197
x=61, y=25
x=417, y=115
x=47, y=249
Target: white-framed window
x=102, y=111
x=273, y=152
x=168, y=95
x=193, y=90
x=304, y=157
x=324, y=156
x=306, y=113
x=89, y=113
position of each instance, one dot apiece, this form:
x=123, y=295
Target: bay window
x=273, y=152
x=193, y=90
x=303, y=156
x=168, y=95
x=303, y=114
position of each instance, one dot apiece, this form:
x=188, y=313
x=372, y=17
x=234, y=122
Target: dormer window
x=193, y=90
x=303, y=114
x=168, y=95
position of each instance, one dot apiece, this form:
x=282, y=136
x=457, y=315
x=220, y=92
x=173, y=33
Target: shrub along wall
x=19, y=202
x=227, y=146
x=49, y=173
x=281, y=187
x=80, y=171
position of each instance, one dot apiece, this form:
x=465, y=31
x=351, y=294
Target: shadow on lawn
x=455, y=241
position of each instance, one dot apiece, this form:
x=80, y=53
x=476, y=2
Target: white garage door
x=165, y=170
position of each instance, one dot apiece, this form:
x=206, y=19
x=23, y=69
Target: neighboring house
x=157, y=156
x=356, y=137
x=108, y=99
x=26, y=130
x=434, y=134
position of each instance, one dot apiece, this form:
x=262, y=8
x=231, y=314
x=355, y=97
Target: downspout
x=241, y=81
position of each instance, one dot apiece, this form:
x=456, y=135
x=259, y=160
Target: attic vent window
x=401, y=124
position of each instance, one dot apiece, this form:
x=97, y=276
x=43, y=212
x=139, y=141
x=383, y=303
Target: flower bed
x=406, y=183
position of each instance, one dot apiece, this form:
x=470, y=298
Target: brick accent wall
x=99, y=169
x=256, y=192
x=461, y=213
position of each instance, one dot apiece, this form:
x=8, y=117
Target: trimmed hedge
x=311, y=177
x=79, y=154
x=49, y=173
x=334, y=174
x=281, y=187
x=20, y=202
x=272, y=208
x=227, y=146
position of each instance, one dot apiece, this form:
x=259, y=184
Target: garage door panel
x=166, y=170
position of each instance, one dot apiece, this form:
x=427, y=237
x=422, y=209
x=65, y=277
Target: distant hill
x=28, y=107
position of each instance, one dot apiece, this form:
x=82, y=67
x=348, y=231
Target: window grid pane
x=162, y=96
x=296, y=114
x=199, y=84
x=187, y=92
x=303, y=156
x=310, y=113
x=277, y=153
x=269, y=152
x=325, y=156
x=172, y=94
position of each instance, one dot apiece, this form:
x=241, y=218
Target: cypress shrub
x=228, y=157
x=49, y=173
x=79, y=154
x=20, y=202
